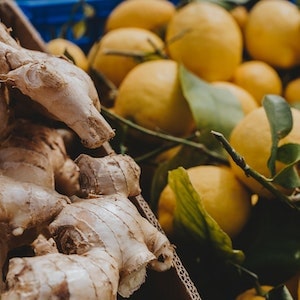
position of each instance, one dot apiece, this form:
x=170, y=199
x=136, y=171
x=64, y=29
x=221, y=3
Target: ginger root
x=97, y=246
x=113, y=223
x=25, y=210
x=93, y=275
x=24, y=205
x=63, y=89
x=108, y=175
x=109, y=220
x=34, y=166
x=36, y=153
x=105, y=231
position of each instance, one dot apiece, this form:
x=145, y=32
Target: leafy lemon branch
x=166, y=137
x=265, y=182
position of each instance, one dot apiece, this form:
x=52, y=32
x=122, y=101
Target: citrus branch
x=163, y=136
x=257, y=286
x=140, y=55
x=240, y=161
x=153, y=153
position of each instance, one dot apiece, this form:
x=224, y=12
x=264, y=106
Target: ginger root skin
x=93, y=275
x=4, y=112
x=113, y=223
x=5, y=36
x=63, y=89
x=36, y=153
x=96, y=247
x=42, y=246
x=25, y=210
x=104, y=230
x=111, y=174
x=24, y=205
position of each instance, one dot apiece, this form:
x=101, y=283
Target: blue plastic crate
x=49, y=17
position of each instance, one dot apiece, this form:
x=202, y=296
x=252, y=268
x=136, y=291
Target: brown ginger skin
x=33, y=165
x=4, y=112
x=25, y=210
x=108, y=175
x=104, y=229
x=93, y=275
x=113, y=223
x=63, y=89
x=36, y=153
x=110, y=220
x=103, y=245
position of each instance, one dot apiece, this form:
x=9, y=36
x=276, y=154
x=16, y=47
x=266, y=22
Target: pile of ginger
x=88, y=239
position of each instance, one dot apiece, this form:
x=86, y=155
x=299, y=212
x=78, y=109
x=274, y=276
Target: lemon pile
x=209, y=40
x=250, y=52
x=242, y=50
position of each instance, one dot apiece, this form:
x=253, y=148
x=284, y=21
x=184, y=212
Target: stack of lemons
x=149, y=93
x=145, y=41
x=242, y=50
x=209, y=41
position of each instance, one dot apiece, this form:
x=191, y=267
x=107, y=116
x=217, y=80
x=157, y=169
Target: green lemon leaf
x=279, y=293
x=213, y=108
x=289, y=153
x=280, y=119
x=191, y=215
x=288, y=177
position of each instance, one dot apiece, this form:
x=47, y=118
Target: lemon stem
x=140, y=55
x=154, y=153
x=163, y=136
x=257, y=285
x=240, y=161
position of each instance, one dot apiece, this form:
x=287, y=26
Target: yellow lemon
x=206, y=39
x=167, y=154
x=258, y=78
x=223, y=196
x=152, y=15
x=292, y=91
x=272, y=33
x=247, y=101
x=60, y=46
x=251, y=138
x=151, y=96
x=117, y=52
x=240, y=14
